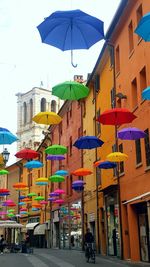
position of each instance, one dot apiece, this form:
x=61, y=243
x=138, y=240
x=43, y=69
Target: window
x=79, y=132
x=67, y=117
x=39, y=173
x=98, y=125
x=139, y=15
x=113, y=97
x=130, y=33
x=70, y=187
x=43, y=104
x=53, y=106
x=138, y=151
x=111, y=53
x=97, y=83
x=143, y=83
x=147, y=147
x=117, y=59
x=70, y=146
x=29, y=179
x=24, y=113
x=31, y=110
x=121, y=164
x=134, y=93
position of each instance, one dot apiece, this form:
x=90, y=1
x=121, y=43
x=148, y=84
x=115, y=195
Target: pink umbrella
x=59, y=201
x=43, y=202
x=59, y=191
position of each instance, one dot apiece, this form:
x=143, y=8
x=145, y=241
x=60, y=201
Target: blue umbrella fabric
x=143, y=28
x=131, y=133
x=4, y=129
x=146, y=93
x=88, y=142
x=107, y=165
x=7, y=138
x=61, y=172
x=71, y=29
x=33, y=164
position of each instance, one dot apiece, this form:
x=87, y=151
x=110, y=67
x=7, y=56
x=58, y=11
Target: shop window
x=31, y=109
x=143, y=82
x=138, y=151
x=139, y=15
x=134, y=93
x=98, y=125
x=53, y=106
x=147, y=147
x=121, y=164
x=117, y=59
x=25, y=113
x=130, y=33
x=43, y=104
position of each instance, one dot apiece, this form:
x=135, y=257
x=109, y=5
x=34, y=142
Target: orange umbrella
x=96, y=163
x=82, y=172
x=19, y=185
x=27, y=200
x=36, y=205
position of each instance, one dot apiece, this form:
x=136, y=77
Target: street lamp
x=5, y=155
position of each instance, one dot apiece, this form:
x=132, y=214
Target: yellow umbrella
x=117, y=157
x=42, y=179
x=47, y=117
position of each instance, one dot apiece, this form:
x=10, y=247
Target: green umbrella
x=57, y=178
x=3, y=172
x=11, y=215
x=70, y=90
x=11, y=210
x=32, y=194
x=39, y=198
x=56, y=150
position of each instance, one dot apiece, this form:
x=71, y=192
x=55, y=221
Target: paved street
x=58, y=258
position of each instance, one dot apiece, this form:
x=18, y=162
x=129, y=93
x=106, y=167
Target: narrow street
x=58, y=258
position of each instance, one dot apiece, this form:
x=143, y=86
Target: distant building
x=29, y=104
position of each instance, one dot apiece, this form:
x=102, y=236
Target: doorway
x=144, y=236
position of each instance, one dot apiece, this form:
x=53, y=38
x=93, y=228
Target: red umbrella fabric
x=27, y=154
x=116, y=116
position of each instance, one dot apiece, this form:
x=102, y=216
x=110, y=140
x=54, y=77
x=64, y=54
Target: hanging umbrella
x=2, y=172
x=116, y=116
x=55, y=157
x=146, y=93
x=37, y=205
x=33, y=164
x=39, y=198
x=57, y=178
x=7, y=138
x=43, y=202
x=4, y=129
x=70, y=90
x=47, y=118
x=56, y=150
x=78, y=185
x=143, y=28
x=107, y=165
x=35, y=209
x=59, y=191
x=54, y=194
x=41, y=183
x=117, y=157
x=32, y=194
x=19, y=185
x=62, y=172
x=131, y=133
x=42, y=179
x=72, y=29
x=88, y=142
x=51, y=199
x=27, y=153
x=22, y=203
x=82, y=172
x=59, y=201
x=96, y=163
x=22, y=197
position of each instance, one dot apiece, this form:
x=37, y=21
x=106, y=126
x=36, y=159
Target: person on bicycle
x=89, y=239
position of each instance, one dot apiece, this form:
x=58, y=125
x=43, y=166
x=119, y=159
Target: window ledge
x=147, y=169
x=139, y=165
x=131, y=53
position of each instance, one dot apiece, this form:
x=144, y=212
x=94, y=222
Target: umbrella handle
x=74, y=65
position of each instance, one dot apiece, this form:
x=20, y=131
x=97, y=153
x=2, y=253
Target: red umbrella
x=116, y=116
x=82, y=172
x=27, y=153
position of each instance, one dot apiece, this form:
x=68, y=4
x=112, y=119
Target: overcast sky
x=25, y=61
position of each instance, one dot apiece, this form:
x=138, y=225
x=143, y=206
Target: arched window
x=43, y=104
x=24, y=113
x=53, y=106
x=31, y=110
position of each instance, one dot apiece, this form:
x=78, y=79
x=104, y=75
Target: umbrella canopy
x=71, y=29
x=55, y=157
x=146, y=93
x=59, y=201
x=61, y=172
x=117, y=157
x=54, y=194
x=59, y=192
x=39, y=198
x=19, y=185
x=131, y=133
x=96, y=163
x=82, y=172
x=2, y=172
x=107, y=165
x=116, y=116
x=42, y=179
x=47, y=118
x=32, y=194
x=43, y=202
x=88, y=142
x=7, y=138
x=143, y=28
x=78, y=185
x=51, y=199
x=27, y=153
x=33, y=164
x=41, y=183
x=56, y=150
x=22, y=203
x=57, y=178
x=70, y=90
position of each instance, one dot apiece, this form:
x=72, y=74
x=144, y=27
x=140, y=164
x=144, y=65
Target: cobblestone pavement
x=59, y=258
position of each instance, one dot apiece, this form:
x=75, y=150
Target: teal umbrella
x=56, y=150
x=70, y=90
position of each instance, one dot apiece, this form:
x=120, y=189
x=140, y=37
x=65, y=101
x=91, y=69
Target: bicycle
x=90, y=252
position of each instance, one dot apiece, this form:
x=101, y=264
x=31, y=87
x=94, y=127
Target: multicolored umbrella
x=33, y=164
x=57, y=178
x=82, y=172
x=47, y=118
x=143, y=28
x=117, y=157
x=131, y=133
x=107, y=165
x=55, y=157
x=88, y=142
x=56, y=150
x=27, y=153
x=146, y=93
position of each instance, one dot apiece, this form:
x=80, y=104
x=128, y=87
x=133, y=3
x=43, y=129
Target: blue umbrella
x=7, y=138
x=107, y=165
x=62, y=172
x=71, y=29
x=143, y=28
x=41, y=183
x=88, y=142
x=33, y=164
x=4, y=129
x=146, y=93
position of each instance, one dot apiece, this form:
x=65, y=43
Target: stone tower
x=30, y=134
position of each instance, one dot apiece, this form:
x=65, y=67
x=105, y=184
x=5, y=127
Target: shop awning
x=143, y=196
x=10, y=224
x=30, y=226
x=40, y=229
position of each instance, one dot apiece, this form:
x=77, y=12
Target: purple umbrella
x=53, y=194
x=51, y=199
x=131, y=133
x=55, y=157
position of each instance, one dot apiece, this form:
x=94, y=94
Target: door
x=143, y=234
